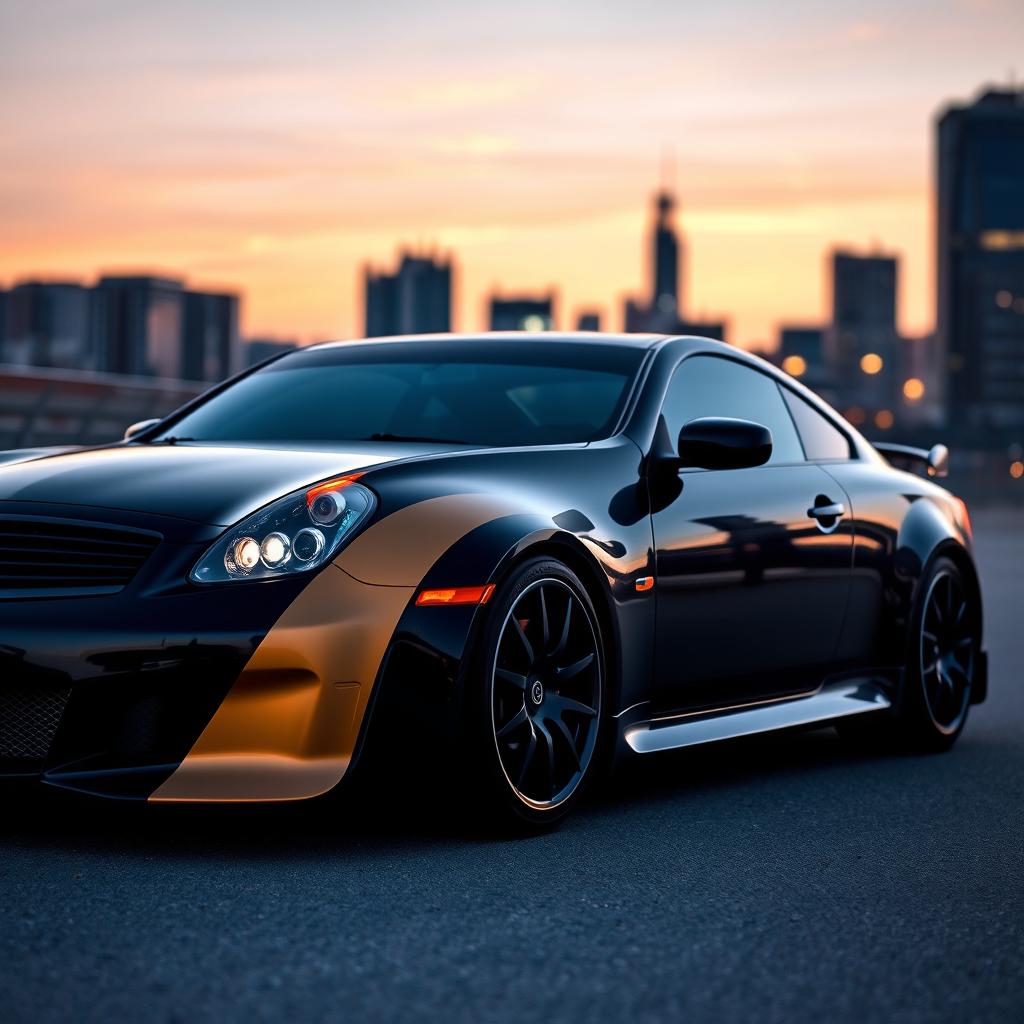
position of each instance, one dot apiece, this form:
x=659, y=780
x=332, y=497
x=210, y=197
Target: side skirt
x=835, y=700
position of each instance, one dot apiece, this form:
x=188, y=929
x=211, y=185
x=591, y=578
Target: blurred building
x=663, y=311
x=980, y=315
x=416, y=299
x=256, y=350
x=801, y=353
x=523, y=313
x=47, y=323
x=210, y=347
x=861, y=344
x=665, y=297
x=138, y=322
x=588, y=321
x=153, y=327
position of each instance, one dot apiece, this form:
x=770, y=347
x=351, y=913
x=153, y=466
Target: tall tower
x=980, y=166
x=665, y=296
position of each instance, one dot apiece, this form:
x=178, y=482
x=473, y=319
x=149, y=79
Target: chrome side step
x=838, y=700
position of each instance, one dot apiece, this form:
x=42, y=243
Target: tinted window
x=710, y=386
x=821, y=439
x=488, y=393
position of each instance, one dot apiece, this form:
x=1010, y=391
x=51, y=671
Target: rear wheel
x=942, y=651
x=541, y=696
x=940, y=669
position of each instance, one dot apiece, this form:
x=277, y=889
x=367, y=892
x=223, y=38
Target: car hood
x=205, y=483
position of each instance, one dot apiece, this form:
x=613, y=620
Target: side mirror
x=138, y=428
x=714, y=442
x=938, y=460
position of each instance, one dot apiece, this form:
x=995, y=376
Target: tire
x=943, y=639
x=537, y=700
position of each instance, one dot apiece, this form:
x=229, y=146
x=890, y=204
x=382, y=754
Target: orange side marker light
x=456, y=595
x=645, y=583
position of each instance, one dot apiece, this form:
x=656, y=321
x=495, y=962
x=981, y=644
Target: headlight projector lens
x=246, y=554
x=327, y=508
x=275, y=549
x=308, y=544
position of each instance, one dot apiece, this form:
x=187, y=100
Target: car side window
x=714, y=386
x=822, y=439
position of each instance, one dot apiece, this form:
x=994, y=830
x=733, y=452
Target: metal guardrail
x=41, y=407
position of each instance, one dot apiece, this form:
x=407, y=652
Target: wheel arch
x=929, y=532
x=572, y=552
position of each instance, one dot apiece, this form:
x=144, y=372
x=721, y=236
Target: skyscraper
x=665, y=296
x=523, y=313
x=138, y=325
x=47, y=324
x=862, y=344
x=663, y=312
x=154, y=327
x=209, y=344
x=417, y=299
x=980, y=217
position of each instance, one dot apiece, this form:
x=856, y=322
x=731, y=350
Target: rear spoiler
x=935, y=461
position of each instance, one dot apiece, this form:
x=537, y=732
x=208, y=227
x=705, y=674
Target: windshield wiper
x=414, y=437
x=170, y=440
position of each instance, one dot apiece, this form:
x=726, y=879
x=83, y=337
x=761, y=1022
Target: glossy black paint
x=754, y=595
x=723, y=443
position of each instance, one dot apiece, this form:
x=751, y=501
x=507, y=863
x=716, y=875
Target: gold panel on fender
x=398, y=551
x=287, y=728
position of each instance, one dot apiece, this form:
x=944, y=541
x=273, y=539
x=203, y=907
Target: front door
x=752, y=577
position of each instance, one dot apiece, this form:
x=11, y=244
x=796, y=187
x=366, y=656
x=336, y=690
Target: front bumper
x=172, y=691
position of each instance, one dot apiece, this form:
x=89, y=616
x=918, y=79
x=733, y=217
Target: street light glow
x=795, y=366
x=913, y=389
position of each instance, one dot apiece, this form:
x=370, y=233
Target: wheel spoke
x=521, y=633
x=508, y=676
x=531, y=749
x=570, y=742
x=549, y=747
x=568, y=704
x=545, y=632
x=563, y=639
x=519, y=719
x=573, y=670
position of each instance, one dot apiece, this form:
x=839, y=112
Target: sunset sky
x=273, y=147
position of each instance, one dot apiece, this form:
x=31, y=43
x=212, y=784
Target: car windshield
x=486, y=392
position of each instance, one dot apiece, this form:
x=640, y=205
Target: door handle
x=832, y=511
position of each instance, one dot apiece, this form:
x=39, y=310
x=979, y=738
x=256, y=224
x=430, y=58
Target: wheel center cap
x=537, y=692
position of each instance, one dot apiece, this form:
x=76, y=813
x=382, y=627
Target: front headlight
x=298, y=533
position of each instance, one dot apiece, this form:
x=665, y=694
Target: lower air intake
x=28, y=721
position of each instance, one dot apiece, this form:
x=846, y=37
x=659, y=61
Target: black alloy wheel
x=544, y=690
x=948, y=646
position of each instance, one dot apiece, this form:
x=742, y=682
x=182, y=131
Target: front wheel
x=539, y=696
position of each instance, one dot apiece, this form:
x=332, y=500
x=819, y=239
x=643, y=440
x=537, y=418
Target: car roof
x=644, y=341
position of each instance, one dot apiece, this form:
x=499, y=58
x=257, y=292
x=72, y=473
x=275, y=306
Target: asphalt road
x=782, y=879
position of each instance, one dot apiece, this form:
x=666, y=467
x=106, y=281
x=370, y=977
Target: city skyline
x=277, y=152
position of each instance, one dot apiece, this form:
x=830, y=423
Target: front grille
x=40, y=557
x=28, y=720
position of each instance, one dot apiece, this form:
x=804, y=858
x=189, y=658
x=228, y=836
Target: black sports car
x=532, y=554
